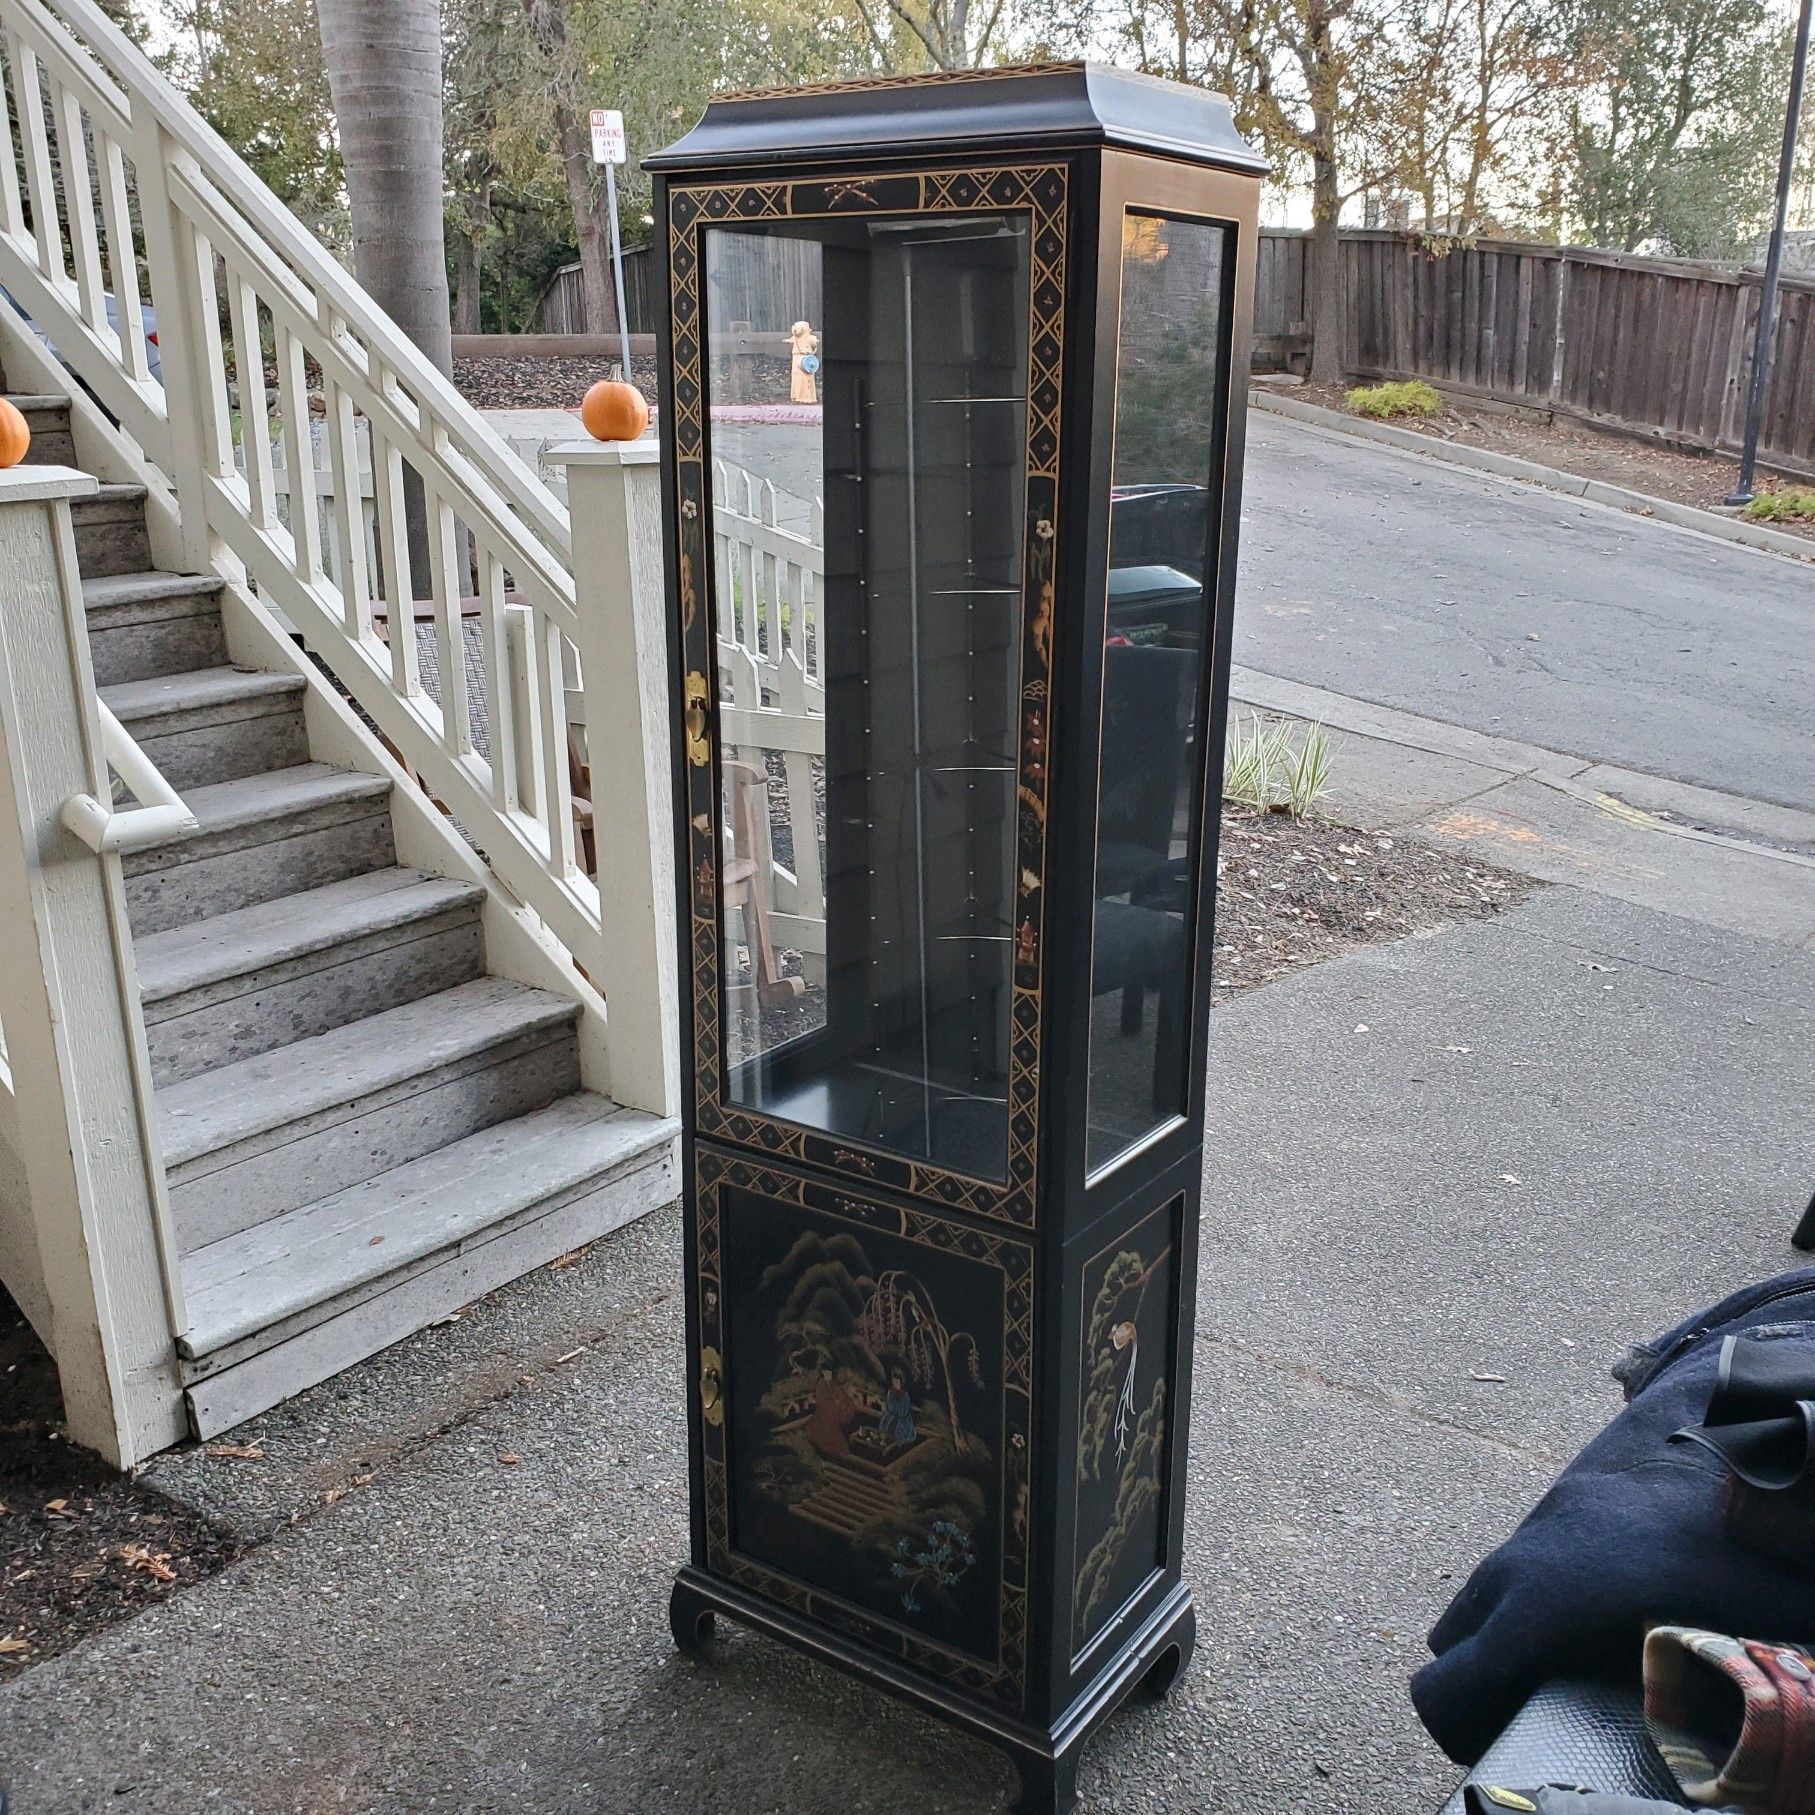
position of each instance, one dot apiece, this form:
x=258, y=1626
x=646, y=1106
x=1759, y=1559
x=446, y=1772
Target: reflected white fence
x=769, y=556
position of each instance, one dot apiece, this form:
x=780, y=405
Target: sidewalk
x=1740, y=865
x=1558, y=1129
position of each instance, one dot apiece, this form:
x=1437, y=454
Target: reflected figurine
x=803, y=382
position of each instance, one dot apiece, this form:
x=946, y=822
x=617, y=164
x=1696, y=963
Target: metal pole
x=617, y=255
x=1742, y=493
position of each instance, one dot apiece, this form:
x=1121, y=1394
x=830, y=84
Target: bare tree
x=549, y=25
x=953, y=34
x=384, y=72
x=1306, y=77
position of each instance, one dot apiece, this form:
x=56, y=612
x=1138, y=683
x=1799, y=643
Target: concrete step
x=214, y=724
x=144, y=624
x=262, y=837
x=299, y=1296
x=221, y=990
x=48, y=419
x=110, y=531
x=261, y=1136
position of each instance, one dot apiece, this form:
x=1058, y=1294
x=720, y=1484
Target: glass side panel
x=1168, y=388
x=867, y=384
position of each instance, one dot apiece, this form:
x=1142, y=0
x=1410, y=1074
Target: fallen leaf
x=11, y=1646
x=154, y=1563
x=60, y=1507
x=509, y=1458
x=562, y=1262
x=333, y=1494
x=237, y=1452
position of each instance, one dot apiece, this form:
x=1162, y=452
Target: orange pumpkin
x=15, y=434
x=614, y=411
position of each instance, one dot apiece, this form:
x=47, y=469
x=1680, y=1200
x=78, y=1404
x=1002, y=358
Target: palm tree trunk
x=384, y=73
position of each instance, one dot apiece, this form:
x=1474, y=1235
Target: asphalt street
x=1522, y=613
x=1498, y=606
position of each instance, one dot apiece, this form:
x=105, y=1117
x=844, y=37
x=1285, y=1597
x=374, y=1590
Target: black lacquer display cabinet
x=952, y=397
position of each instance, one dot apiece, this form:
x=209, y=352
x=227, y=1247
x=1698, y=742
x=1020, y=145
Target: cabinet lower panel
x=1128, y=1299
x=865, y=1375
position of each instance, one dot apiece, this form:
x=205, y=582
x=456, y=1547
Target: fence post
x=1559, y=328
x=69, y=1002
x=614, y=503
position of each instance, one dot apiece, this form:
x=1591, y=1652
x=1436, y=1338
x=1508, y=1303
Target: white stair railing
x=258, y=332
x=160, y=815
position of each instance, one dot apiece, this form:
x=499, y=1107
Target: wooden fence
x=1655, y=347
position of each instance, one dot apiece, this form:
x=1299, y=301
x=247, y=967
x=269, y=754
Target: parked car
x=146, y=315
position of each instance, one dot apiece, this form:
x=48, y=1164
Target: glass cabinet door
x=867, y=500
x=1164, y=500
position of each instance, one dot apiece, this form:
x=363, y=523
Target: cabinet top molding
x=1045, y=105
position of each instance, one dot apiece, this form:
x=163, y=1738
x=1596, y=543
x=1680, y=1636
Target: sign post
x=610, y=149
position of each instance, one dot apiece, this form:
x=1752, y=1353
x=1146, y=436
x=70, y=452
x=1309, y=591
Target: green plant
x=1794, y=504
x=1405, y=397
x=1279, y=767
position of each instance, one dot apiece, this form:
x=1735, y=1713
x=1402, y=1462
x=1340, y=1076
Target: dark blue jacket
x=1632, y=1533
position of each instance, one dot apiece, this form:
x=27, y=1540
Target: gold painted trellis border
x=1004, y=1677
x=1039, y=190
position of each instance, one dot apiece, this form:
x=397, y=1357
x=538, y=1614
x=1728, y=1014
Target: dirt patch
x=80, y=1547
x=1702, y=480
x=1291, y=893
x=542, y=384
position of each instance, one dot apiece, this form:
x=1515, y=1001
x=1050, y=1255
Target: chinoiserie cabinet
x=953, y=373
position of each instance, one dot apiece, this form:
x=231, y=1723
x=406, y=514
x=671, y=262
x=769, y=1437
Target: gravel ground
x=1702, y=480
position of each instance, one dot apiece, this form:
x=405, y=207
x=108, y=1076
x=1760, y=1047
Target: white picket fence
x=770, y=582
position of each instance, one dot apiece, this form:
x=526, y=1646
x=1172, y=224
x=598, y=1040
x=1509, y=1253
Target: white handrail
x=456, y=521
x=150, y=91
x=161, y=814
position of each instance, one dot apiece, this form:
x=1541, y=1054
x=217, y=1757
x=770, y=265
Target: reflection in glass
x=1168, y=391
x=868, y=434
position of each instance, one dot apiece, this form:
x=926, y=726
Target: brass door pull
x=712, y=1400
x=693, y=696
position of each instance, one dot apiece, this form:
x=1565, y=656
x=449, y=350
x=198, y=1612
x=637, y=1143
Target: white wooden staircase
x=381, y=1013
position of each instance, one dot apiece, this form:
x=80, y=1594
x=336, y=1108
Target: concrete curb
x=1509, y=466
x=1599, y=786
